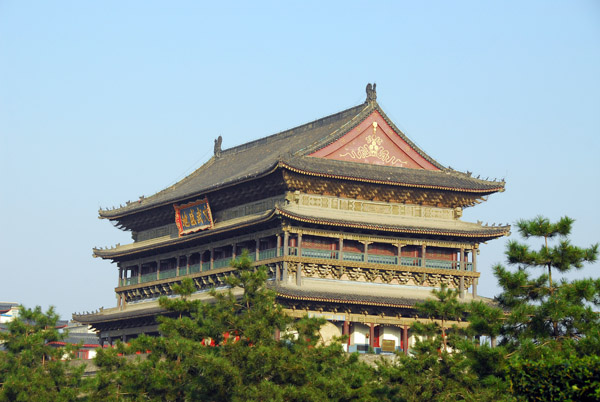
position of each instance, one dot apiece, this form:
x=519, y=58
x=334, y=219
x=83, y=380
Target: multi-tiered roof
x=318, y=158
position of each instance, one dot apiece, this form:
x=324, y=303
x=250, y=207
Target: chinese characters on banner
x=193, y=217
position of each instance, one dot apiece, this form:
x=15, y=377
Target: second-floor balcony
x=305, y=253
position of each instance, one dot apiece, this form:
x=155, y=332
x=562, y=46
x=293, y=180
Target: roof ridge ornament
x=218, y=142
x=371, y=93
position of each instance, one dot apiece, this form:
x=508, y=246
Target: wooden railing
x=305, y=252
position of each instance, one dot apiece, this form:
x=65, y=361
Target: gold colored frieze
x=373, y=207
x=414, y=276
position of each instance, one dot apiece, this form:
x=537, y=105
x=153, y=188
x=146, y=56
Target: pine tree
x=444, y=363
x=542, y=308
x=551, y=331
x=226, y=350
x=444, y=307
x=30, y=368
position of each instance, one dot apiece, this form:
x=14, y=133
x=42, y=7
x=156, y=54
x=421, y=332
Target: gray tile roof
x=396, y=298
x=290, y=149
x=95, y=318
x=465, y=229
x=298, y=293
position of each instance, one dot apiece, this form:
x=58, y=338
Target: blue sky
x=101, y=102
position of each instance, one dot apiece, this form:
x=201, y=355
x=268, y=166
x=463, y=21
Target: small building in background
x=82, y=335
x=8, y=311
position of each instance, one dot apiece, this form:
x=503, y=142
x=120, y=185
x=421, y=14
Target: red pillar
x=405, y=339
x=346, y=330
x=372, y=336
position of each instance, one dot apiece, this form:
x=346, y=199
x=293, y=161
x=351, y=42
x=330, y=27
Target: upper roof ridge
x=296, y=130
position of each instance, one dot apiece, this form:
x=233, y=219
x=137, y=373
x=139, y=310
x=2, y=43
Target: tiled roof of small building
x=290, y=149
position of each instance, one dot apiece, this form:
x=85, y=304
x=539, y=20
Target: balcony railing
x=318, y=253
x=220, y=263
x=169, y=273
x=266, y=254
x=194, y=268
x=351, y=256
x=441, y=264
x=383, y=259
x=148, y=277
x=410, y=262
x=129, y=281
x=305, y=252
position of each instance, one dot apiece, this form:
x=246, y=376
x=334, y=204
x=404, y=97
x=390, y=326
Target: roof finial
x=218, y=142
x=371, y=92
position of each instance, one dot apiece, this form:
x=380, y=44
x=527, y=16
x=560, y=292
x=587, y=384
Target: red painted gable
x=373, y=141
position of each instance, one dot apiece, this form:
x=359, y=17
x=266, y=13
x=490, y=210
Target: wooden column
x=286, y=243
x=349, y=333
x=120, y=276
x=278, y=245
x=340, y=249
x=157, y=269
x=461, y=286
x=299, y=266
x=346, y=330
x=139, y=264
x=178, y=265
x=233, y=251
x=474, y=262
x=423, y=254
x=372, y=335
x=405, y=339
x=256, y=248
x=399, y=245
x=212, y=257
x=366, y=251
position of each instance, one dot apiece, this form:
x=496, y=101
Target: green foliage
x=551, y=330
x=247, y=362
x=443, y=308
x=445, y=366
x=561, y=257
x=540, y=309
x=31, y=369
x=556, y=378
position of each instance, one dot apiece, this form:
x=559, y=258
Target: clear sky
x=101, y=102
